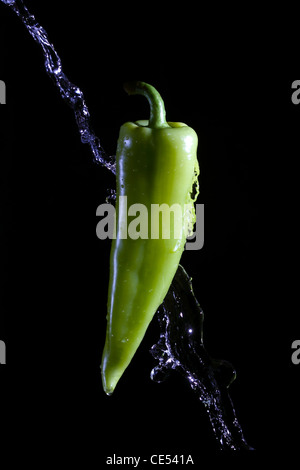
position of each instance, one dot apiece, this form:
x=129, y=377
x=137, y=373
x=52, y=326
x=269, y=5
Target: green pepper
x=156, y=166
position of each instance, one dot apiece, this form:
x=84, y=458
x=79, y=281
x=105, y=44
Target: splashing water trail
x=69, y=92
x=180, y=347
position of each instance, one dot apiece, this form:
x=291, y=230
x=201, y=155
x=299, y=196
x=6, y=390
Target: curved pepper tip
x=108, y=386
x=110, y=377
x=157, y=108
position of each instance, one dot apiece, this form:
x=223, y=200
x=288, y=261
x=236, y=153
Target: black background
x=236, y=93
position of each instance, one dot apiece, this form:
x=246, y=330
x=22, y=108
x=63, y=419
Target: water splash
x=69, y=92
x=180, y=347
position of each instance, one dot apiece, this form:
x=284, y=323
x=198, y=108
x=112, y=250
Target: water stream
x=180, y=347
x=69, y=92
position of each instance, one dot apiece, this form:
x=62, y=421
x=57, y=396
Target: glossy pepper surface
x=156, y=165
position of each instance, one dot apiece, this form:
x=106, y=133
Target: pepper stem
x=157, y=108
